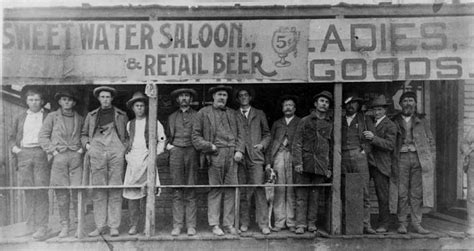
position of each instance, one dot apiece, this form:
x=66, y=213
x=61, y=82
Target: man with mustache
x=415, y=155
x=183, y=161
x=312, y=147
x=280, y=155
x=256, y=139
x=355, y=148
x=218, y=133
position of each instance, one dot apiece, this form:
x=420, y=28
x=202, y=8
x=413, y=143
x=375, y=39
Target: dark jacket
x=16, y=135
x=204, y=129
x=53, y=135
x=278, y=132
x=90, y=125
x=426, y=150
x=383, y=145
x=256, y=131
x=170, y=128
x=312, y=146
x=364, y=123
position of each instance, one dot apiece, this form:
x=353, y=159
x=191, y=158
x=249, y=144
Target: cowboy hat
x=97, y=90
x=137, y=96
x=353, y=98
x=225, y=88
x=177, y=92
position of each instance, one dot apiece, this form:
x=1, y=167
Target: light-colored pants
x=410, y=188
x=284, y=200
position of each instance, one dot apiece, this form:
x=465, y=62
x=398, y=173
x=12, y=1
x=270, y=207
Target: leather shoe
x=96, y=232
x=191, y=231
x=292, y=229
x=40, y=233
x=402, y=229
x=265, y=230
x=114, y=232
x=380, y=230
x=312, y=229
x=230, y=230
x=299, y=230
x=276, y=229
x=133, y=230
x=369, y=230
x=176, y=231
x=244, y=228
x=216, y=230
x=419, y=229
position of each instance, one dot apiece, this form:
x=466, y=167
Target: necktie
x=244, y=112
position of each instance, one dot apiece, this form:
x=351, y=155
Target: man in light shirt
x=380, y=159
x=280, y=155
x=32, y=161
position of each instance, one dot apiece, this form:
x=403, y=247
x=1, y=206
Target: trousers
x=307, y=199
x=410, y=188
x=284, y=198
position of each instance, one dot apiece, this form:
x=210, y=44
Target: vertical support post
x=80, y=214
x=237, y=209
x=151, y=91
x=336, y=207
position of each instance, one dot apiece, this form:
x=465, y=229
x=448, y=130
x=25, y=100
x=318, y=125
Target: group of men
x=237, y=146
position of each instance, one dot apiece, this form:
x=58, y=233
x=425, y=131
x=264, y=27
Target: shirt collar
x=288, y=120
x=185, y=110
x=248, y=110
x=380, y=119
x=351, y=117
x=31, y=112
x=406, y=118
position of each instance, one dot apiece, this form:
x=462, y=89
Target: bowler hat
x=66, y=93
x=353, y=98
x=97, y=90
x=407, y=95
x=325, y=94
x=225, y=88
x=380, y=101
x=137, y=96
x=177, y=92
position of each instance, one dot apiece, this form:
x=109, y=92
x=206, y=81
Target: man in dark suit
x=380, y=159
x=32, y=161
x=218, y=134
x=279, y=154
x=183, y=161
x=256, y=139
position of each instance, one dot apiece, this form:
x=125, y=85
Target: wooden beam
x=460, y=131
x=151, y=91
x=336, y=178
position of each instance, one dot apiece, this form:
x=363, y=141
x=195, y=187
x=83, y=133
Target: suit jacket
x=278, y=132
x=256, y=131
x=90, y=125
x=204, y=129
x=383, y=145
x=170, y=128
x=364, y=124
x=16, y=135
x=53, y=133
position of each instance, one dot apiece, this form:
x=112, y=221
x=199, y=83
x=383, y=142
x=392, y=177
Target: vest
x=132, y=133
x=350, y=136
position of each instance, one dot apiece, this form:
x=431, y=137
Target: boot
x=64, y=230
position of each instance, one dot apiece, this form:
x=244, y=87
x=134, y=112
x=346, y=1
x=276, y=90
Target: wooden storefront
x=278, y=50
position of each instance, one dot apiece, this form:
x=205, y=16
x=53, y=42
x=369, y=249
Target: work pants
x=252, y=173
x=355, y=161
x=183, y=167
x=284, y=198
x=34, y=171
x=410, y=188
x=307, y=199
x=382, y=183
x=135, y=210
x=222, y=171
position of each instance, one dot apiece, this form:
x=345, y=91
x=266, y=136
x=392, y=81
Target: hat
x=215, y=89
x=104, y=88
x=325, y=94
x=353, y=98
x=66, y=93
x=380, y=101
x=137, y=96
x=177, y=92
x=407, y=95
x=288, y=97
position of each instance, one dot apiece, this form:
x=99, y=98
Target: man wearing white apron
x=137, y=158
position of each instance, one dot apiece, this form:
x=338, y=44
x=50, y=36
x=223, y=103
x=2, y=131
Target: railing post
x=336, y=178
x=151, y=91
x=237, y=208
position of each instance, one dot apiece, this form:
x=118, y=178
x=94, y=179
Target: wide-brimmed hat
x=325, y=94
x=353, y=98
x=177, y=92
x=379, y=101
x=288, y=97
x=137, y=96
x=215, y=89
x=66, y=93
x=407, y=95
x=97, y=90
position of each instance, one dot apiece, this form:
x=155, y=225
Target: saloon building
x=302, y=50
